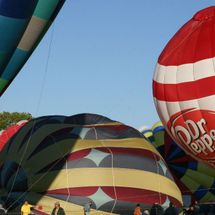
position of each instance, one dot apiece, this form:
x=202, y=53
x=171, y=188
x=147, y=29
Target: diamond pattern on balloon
x=100, y=198
x=81, y=132
x=166, y=203
x=163, y=166
x=97, y=156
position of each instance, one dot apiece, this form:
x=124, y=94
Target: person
x=146, y=212
x=190, y=210
x=26, y=208
x=2, y=210
x=87, y=208
x=58, y=210
x=196, y=208
x=137, y=210
x=156, y=209
x=171, y=210
x=184, y=212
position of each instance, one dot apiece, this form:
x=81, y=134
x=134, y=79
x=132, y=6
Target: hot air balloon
x=7, y=133
x=183, y=86
x=23, y=23
x=85, y=157
x=195, y=179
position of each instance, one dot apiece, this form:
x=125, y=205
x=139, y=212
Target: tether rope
x=112, y=169
x=36, y=111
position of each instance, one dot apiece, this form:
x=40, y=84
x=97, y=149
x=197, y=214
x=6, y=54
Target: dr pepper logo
x=194, y=130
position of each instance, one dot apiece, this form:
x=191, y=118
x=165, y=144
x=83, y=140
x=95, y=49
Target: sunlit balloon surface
x=183, y=86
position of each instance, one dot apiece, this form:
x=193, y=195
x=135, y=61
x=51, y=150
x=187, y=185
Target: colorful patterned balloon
x=184, y=89
x=23, y=23
x=80, y=158
x=7, y=133
x=195, y=179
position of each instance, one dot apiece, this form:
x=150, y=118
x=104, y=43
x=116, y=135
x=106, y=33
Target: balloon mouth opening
x=205, y=14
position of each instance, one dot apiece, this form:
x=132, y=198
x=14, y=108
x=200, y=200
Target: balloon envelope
x=80, y=158
x=24, y=23
x=183, y=86
x=7, y=133
x=195, y=179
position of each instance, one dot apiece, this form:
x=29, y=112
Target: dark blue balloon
x=19, y=9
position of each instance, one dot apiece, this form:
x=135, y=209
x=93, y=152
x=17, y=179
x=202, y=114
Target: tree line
x=9, y=118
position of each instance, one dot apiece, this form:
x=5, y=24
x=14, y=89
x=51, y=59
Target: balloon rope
x=113, y=176
x=112, y=169
x=22, y=157
x=157, y=171
x=38, y=180
x=37, y=110
x=42, y=176
x=67, y=179
x=46, y=69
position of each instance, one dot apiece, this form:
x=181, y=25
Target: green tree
x=7, y=118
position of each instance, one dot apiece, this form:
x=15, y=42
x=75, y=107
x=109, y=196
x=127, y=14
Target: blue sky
x=101, y=60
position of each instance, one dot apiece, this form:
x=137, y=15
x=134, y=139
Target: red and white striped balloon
x=184, y=86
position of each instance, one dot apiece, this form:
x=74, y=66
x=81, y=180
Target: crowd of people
x=194, y=209
x=57, y=210
x=26, y=209
x=156, y=209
